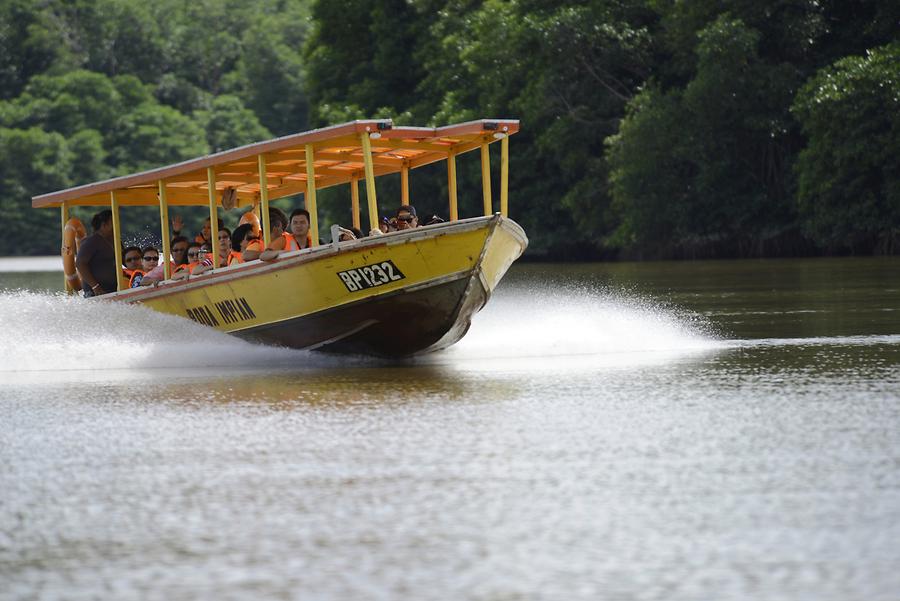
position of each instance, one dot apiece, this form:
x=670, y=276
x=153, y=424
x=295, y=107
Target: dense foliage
x=650, y=128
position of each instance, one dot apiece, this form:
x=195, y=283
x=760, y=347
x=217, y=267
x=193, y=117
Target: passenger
x=96, y=258
x=224, y=246
x=179, y=248
x=277, y=223
x=406, y=217
x=204, y=236
x=241, y=238
x=149, y=260
x=357, y=233
x=385, y=225
x=251, y=218
x=298, y=237
x=224, y=253
x=193, y=256
x=131, y=258
x=346, y=235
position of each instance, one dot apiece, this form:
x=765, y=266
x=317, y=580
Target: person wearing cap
x=242, y=236
x=277, y=223
x=406, y=217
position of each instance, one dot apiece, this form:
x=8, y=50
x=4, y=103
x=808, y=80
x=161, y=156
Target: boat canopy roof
x=338, y=158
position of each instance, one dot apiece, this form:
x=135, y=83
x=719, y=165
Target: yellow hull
x=399, y=294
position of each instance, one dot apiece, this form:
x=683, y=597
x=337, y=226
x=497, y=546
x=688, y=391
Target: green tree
x=722, y=176
x=229, y=124
x=32, y=161
x=849, y=175
x=74, y=101
x=363, y=55
x=269, y=76
x=112, y=37
x=154, y=135
x=28, y=45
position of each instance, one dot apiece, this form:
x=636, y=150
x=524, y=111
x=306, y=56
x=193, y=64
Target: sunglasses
x=194, y=254
x=127, y=259
x=151, y=258
x=405, y=219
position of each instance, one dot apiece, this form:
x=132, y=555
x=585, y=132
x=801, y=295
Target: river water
x=659, y=431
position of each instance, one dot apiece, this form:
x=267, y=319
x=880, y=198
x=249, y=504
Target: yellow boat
x=396, y=294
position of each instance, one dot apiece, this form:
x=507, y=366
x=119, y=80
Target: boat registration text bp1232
x=370, y=276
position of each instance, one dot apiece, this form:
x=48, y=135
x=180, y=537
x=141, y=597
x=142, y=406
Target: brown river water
x=658, y=431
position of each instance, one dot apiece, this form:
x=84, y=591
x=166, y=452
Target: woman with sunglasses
x=131, y=259
x=197, y=256
x=224, y=253
x=149, y=260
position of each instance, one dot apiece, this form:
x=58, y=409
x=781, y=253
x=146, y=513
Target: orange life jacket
x=135, y=273
x=290, y=243
x=128, y=275
x=190, y=267
x=234, y=257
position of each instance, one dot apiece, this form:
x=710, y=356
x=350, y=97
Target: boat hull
x=395, y=295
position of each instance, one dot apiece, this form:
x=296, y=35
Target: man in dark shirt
x=96, y=259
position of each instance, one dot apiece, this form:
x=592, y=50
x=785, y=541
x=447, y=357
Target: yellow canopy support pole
x=486, y=179
x=64, y=217
x=404, y=183
x=451, y=184
x=311, y=194
x=354, y=200
x=504, y=176
x=213, y=216
x=164, y=219
x=117, y=236
x=264, y=201
x=370, y=179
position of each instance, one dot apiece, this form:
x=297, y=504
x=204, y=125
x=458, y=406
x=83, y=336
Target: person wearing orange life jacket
x=131, y=258
x=224, y=252
x=243, y=235
x=203, y=238
x=197, y=257
x=149, y=260
x=277, y=222
x=297, y=239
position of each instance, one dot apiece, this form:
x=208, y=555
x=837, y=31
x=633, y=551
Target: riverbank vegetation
x=650, y=129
